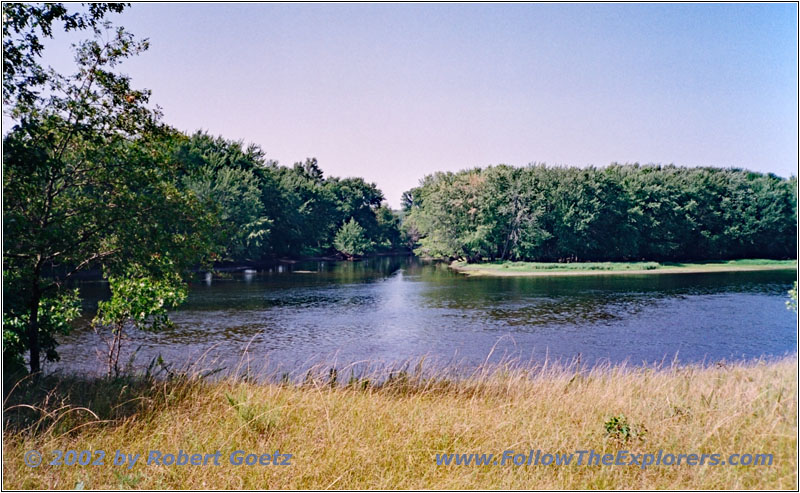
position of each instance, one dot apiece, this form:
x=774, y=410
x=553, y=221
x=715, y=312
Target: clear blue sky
x=393, y=92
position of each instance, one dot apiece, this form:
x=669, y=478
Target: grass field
x=509, y=268
x=368, y=436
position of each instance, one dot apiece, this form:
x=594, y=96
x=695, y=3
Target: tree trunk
x=33, y=328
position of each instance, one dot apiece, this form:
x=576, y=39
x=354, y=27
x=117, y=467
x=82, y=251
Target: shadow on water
x=396, y=308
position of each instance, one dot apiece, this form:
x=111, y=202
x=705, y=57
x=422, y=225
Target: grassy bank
x=508, y=268
x=365, y=436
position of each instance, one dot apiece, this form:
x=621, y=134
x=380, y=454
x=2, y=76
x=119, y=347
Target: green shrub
x=618, y=427
x=352, y=239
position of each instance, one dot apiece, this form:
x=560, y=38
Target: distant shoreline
x=539, y=269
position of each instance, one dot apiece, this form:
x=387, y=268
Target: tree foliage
x=621, y=212
x=274, y=211
x=23, y=26
x=223, y=175
x=351, y=239
x=89, y=182
x=140, y=301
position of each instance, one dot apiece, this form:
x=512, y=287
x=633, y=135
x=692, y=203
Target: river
x=390, y=310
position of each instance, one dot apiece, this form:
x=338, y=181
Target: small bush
x=618, y=427
x=352, y=240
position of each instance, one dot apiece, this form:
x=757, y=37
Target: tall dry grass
x=385, y=433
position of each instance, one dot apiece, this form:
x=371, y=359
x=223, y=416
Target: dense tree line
x=620, y=212
x=270, y=210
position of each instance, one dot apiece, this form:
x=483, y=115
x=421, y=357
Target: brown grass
x=387, y=436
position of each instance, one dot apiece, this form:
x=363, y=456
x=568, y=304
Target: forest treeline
x=619, y=212
x=267, y=210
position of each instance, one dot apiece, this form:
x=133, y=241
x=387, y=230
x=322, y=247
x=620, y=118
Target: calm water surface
x=392, y=309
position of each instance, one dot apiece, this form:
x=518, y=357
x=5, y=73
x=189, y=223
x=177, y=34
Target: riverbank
x=361, y=436
x=525, y=269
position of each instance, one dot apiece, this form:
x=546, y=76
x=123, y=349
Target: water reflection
x=395, y=308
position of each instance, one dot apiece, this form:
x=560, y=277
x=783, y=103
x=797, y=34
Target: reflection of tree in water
x=539, y=301
x=571, y=311
x=368, y=269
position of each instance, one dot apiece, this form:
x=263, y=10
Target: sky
x=392, y=92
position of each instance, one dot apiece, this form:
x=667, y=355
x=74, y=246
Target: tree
x=388, y=236
x=451, y=219
x=89, y=182
x=138, y=300
x=307, y=209
x=226, y=175
x=515, y=202
x=311, y=215
x=357, y=199
x=351, y=240
x=236, y=196
x=23, y=24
